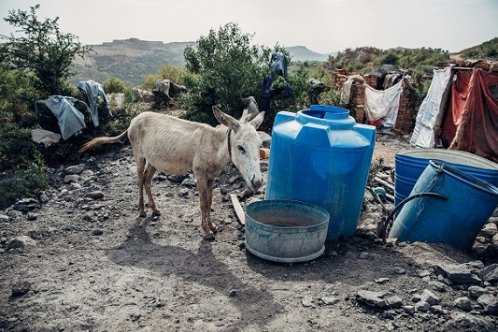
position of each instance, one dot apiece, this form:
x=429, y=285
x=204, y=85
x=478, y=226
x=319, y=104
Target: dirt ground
x=84, y=261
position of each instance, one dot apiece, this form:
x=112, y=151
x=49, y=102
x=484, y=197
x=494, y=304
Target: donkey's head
x=244, y=143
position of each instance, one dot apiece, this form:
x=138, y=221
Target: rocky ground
x=79, y=259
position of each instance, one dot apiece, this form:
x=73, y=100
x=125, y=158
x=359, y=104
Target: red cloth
x=471, y=123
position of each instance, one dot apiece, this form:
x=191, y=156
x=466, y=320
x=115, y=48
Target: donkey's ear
x=226, y=119
x=258, y=120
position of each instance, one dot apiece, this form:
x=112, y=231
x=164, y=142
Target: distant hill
x=488, y=49
x=133, y=59
x=129, y=59
x=302, y=53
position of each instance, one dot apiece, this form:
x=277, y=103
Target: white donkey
x=175, y=146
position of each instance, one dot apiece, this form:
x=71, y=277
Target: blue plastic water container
x=410, y=164
x=455, y=220
x=321, y=156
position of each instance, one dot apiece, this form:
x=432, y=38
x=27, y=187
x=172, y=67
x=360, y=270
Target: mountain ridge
x=132, y=59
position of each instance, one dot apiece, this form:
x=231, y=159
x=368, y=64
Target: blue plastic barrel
x=455, y=220
x=410, y=164
x=321, y=156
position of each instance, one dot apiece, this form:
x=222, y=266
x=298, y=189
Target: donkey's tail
x=102, y=140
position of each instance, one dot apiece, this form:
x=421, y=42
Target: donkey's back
x=168, y=143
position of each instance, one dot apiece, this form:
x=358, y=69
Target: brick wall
x=406, y=111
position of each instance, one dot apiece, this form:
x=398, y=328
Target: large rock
x=75, y=169
x=97, y=194
x=27, y=204
x=429, y=297
x=394, y=301
x=71, y=178
x=490, y=273
x=422, y=306
x=4, y=217
x=476, y=291
x=20, y=242
x=459, y=274
x=20, y=288
x=489, y=303
x=467, y=322
x=463, y=303
x=371, y=299
x=489, y=230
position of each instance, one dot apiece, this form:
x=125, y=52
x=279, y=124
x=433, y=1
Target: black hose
x=400, y=205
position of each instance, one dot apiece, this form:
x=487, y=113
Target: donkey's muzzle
x=256, y=182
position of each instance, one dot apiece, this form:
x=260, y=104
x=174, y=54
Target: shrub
x=114, y=85
x=15, y=144
x=167, y=72
x=229, y=68
x=27, y=181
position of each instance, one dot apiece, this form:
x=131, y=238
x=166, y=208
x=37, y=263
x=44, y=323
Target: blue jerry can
x=322, y=156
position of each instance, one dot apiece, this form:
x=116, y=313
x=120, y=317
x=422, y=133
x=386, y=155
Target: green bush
x=175, y=74
x=15, y=144
x=114, y=85
x=229, y=69
x=28, y=181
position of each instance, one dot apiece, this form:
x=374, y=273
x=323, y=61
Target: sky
x=321, y=25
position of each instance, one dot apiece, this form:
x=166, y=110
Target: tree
x=229, y=69
x=40, y=46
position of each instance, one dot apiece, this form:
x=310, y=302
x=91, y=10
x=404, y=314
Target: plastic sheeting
x=70, y=120
x=431, y=110
x=383, y=104
x=471, y=122
x=92, y=91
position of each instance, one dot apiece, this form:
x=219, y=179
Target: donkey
x=176, y=146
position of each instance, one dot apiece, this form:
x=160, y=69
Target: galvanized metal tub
x=285, y=230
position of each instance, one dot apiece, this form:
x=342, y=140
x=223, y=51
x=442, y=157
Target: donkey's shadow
x=255, y=306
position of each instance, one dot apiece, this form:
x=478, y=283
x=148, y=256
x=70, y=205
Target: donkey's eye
x=241, y=149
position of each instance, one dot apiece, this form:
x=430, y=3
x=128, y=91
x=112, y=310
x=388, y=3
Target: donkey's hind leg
x=149, y=174
x=140, y=183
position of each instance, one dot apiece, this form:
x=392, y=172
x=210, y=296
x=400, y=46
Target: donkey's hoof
x=142, y=214
x=156, y=213
x=214, y=227
x=208, y=236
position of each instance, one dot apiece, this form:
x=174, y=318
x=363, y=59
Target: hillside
x=488, y=49
x=130, y=60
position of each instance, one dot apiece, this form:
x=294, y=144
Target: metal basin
x=286, y=231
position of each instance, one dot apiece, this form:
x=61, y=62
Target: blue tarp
x=92, y=91
x=70, y=120
x=278, y=63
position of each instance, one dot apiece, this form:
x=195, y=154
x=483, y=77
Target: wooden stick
x=383, y=182
x=238, y=209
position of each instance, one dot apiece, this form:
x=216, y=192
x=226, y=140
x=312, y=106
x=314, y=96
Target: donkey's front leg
x=211, y=224
x=202, y=187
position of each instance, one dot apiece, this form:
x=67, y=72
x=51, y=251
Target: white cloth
x=346, y=88
x=44, y=136
x=430, y=111
x=383, y=104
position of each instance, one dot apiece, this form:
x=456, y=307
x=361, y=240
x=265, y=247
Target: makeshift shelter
x=471, y=121
x=429, y=116
x=92, y=90
x=382, y=105
x=70, y=120
x=467, y=120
